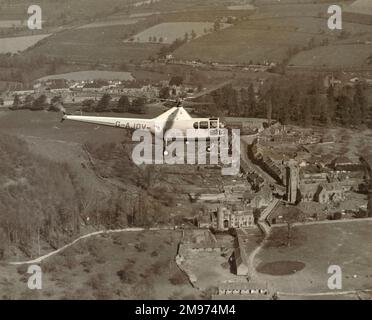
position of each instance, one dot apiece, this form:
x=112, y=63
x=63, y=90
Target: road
x=247, y=164
x=89, y=235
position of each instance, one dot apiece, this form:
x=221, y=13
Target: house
x=261, y=198
x=344, y=164
x=228, y=218
x=223, y=218
x=330, y=192
x=308, y=191
x=313, y=174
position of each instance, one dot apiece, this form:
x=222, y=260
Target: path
x=265, y=227
x=89, y=235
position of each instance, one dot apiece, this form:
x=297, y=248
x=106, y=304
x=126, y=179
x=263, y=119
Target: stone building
x=330, y=192
x=228, y=218
x=292, y=180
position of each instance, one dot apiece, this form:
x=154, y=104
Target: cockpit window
x=203, y=125
x=196, y=125
x=214, y=125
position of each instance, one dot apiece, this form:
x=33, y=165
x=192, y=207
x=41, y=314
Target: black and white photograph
x=197, y=152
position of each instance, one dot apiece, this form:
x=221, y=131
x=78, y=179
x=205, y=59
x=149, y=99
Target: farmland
x=15, y=44
x=257, y=41
x=101, y=44
x=63, y=11
x=277, y=33
x=10, y=23
x=91, y=75
x=348, y=55
x=109, y=22
x=169, y=32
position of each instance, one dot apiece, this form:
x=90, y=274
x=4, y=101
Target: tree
x=40, y=103
x=193, y=34
x=331, y=103
x=360, y=101
x=306, y=112
x=104, y=103
x=217, y=25
x=251, y=99
x=88, y=105
x=138, y=105
x=123, y=104
x=55, y=104
x=343, y=110
x=16, y=102
x=164, y=93
x=176, y=81
x=29, y=100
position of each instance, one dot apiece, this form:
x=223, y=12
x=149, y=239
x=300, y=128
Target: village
x=281, y=184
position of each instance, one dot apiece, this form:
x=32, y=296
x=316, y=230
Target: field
x=101, y=44
x=170, y=31
x=10, y=23
x=276, y=33
x=318, y=246
x=348, y=55
x=132, y=265
x=60, y=12
x=255, y=40
x=107, y=23
x=91, y=75
x=16, y=44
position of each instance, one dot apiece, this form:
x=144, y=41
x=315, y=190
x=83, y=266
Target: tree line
x=123, y=105
x=296, y=101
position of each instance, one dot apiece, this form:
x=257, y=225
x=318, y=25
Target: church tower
x=292, y=180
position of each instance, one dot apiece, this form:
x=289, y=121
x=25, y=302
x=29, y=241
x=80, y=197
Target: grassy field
x=133, y=265
x=256, y=40
x=101, y=44
x=348, y=55
x=91, y=75
x=170, y=31
x=275, y=33
x=16, y=44
x=61, y=11
x=318, y=246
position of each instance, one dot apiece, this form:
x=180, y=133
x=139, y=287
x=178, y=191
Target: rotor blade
x=195, y=104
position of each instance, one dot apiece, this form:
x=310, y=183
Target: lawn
x=346, y=244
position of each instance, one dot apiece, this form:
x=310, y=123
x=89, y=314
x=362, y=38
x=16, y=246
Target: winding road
x=89, y=235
